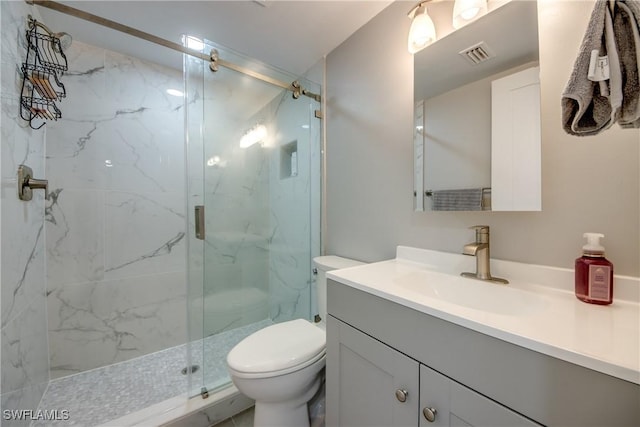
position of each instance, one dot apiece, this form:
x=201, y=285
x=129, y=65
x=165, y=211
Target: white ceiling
x=510, y=31
x=291, y=35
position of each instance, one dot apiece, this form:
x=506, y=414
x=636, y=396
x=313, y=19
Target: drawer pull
x=401, y=395
x=429, y=414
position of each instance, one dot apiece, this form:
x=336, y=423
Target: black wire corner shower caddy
x=41, y=87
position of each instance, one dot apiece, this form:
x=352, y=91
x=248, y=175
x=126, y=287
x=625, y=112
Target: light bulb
x=195, y=43
x=175, y=92
x=470, y=13
x=465, y=11
x=255, y=135
x=422, y=32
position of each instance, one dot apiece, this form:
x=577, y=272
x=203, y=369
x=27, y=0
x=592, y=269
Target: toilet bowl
x=280, y=366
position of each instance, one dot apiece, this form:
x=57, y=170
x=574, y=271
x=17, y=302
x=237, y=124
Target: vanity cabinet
x=444, y=402
x=378, y=350
x=371, y=384
x=375, y=385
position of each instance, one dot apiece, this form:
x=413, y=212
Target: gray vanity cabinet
x=372, y=384
x=378, y=350
x=369, y=384
x=445, y=403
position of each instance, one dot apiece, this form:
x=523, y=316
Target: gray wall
x=589, y=184
x=446, y=142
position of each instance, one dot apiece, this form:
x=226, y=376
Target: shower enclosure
x=110, y=301
x=253, y=162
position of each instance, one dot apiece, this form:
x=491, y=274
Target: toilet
x=280, y=366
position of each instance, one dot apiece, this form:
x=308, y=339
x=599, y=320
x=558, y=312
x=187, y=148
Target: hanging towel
x=626, y=30
x=587, y=105
x=613, y=36
x=457, y=200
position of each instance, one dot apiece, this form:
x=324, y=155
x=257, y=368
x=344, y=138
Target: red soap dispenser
x=594, y=273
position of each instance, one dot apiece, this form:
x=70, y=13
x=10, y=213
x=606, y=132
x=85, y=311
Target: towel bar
x=429, y=193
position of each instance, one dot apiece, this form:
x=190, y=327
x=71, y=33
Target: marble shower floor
x=100, y=395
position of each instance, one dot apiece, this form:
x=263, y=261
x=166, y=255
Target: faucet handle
x=26, y=184
x=482, y=233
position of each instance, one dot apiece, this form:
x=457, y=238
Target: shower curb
x=192, y=412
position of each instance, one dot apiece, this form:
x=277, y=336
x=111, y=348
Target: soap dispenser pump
x=594, y=273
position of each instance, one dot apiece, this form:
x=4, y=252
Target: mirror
x=477, y=120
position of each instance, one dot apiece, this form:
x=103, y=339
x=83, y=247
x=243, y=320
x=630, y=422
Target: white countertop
x=543, y=313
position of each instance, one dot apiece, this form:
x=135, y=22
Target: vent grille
x=477, y=53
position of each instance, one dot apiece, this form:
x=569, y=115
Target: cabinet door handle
x=429, y=414
x=401, y=395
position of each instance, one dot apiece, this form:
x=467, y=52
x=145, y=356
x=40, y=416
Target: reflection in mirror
x=418, y=156
x=476, y=95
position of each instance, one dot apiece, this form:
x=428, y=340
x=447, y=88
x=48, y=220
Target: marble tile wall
x=115, y=225
x=24, y=362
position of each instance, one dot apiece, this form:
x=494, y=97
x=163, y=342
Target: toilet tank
x=322, y=264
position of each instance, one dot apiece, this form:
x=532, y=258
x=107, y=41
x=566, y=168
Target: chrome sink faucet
x=480, y=249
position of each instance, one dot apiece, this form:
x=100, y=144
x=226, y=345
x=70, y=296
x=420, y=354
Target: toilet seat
x=277, y=350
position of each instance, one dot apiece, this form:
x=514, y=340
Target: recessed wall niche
x=289, y=160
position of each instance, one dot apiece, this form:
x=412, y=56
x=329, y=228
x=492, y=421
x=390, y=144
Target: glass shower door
x=254, y=165
x=194, y=158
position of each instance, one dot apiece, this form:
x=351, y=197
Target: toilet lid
x=278, y=347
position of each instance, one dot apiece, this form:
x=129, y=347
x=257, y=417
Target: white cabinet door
x=516, y=166
x=459, y=406
x=367, y=381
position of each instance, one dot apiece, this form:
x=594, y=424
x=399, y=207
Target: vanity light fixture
x=423, y=32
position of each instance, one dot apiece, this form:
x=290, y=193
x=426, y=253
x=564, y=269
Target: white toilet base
x=293, y=413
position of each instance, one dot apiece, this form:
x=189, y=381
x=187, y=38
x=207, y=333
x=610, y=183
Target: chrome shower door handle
x=26, y=184
x=199, y=221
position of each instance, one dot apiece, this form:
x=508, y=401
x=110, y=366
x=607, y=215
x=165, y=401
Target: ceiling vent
x=477, y=53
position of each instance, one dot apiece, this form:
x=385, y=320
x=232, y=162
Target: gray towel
x=590, y=107
x=626, y=30
x=457, y=200
x=615, y=79
x=586, y=109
